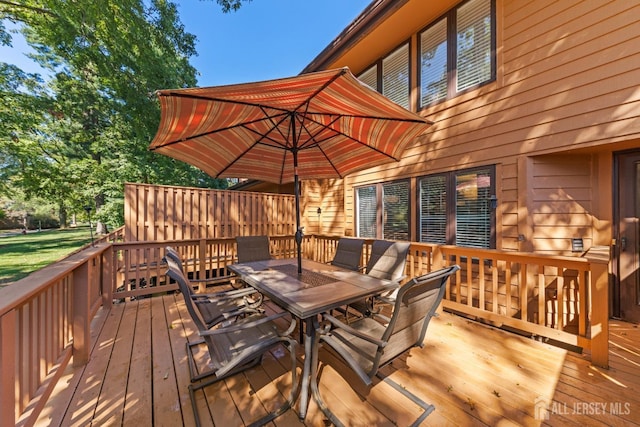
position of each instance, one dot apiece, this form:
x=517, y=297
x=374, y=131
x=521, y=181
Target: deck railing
x=44, y=324
x=551, y=297
x=45, y=318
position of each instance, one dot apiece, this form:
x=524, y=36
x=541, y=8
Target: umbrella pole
x=296, y=189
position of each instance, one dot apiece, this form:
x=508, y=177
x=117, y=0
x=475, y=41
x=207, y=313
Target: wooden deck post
x=598, y=257
x=202, y=268
x=81, y=313
x=8, y=369
x=107, y=277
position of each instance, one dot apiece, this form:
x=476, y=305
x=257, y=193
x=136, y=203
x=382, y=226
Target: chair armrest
x=215, y=280
x=239, y=327
x=228, y=294
x=338, y=346
x=337, y=323
x=381, y=317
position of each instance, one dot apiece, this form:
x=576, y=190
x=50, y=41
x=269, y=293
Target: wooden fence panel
x=161, y=213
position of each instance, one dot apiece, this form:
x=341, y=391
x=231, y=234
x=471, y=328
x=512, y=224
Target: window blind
x=396, y=210
x=395, y=76
x=370, y=77
x=433, y=209
x=473, y=38
x=473, y=214
x=367, y=206
x=433, y=63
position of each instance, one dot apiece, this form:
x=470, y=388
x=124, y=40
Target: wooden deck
x=474, y=374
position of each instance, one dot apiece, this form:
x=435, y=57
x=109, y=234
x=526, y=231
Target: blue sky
x=264, y=39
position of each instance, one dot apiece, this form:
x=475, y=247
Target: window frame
x=451, y=55
x=379, y=69
x=380, y=210
x=451, y=203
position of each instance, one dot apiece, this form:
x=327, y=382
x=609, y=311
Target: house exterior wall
x=566, y=96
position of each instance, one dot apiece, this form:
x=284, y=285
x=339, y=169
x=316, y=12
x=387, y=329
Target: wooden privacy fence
x=159, y=213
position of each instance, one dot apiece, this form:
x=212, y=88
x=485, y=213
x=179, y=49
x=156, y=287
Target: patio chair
x=253, y=248
x=348, y=254
x=387, y=261
x=366, y=345
x=234, y=347
x=208, y=310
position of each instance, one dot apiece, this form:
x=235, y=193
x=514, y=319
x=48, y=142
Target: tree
x=86, y=132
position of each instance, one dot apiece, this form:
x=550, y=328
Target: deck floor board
x=474, y=374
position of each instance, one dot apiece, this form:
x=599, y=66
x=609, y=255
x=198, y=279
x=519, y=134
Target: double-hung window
x=382, y=211
x=458, y=208
x=390, y=76
x=457, y=52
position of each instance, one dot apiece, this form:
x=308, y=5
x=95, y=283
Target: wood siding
x=328, y=195
x=565, y=98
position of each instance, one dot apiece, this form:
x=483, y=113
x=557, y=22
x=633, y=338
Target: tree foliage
x=77, y=137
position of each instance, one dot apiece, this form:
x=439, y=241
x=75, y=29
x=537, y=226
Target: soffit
x=359, y=45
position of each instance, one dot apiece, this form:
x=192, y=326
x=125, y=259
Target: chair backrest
x=170, y=252
x=253, y=248
x=416, y=303
x=388, y=259
x=348, y=253
x=177, y=274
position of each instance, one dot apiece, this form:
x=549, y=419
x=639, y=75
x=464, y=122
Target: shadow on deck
x=474, y=374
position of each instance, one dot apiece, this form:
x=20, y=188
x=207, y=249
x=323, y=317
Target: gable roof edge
x=375, y=13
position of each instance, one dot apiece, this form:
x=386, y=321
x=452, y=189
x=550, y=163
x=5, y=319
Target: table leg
x=310, y=332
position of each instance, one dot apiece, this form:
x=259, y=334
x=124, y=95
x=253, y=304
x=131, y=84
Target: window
x=388, y=219
x=433, y=209
x=395, y=76
x=457, y=52
x=366, y=206
x=456, y=208
x=390, y=76
x=370, y=77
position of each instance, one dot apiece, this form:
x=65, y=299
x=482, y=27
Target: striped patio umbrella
x=318, y=125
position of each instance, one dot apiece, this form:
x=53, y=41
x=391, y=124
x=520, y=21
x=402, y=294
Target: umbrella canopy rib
x=321, y=88
x=216, y=99
x=214, y=131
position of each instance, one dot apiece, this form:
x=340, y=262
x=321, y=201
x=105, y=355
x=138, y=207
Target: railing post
x=202, y=261
x=8, y=369
x=599, y=311
x=81, y=309
x=107, y=275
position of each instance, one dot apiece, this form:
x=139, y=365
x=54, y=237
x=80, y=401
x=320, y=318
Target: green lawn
x=23, y=254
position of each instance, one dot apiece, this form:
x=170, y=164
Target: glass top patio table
x=318, y=289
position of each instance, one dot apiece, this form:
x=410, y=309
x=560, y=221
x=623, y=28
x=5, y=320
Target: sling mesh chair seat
x=212, y=308
x=250, y=249
x=253, y=248
x=372, y=342
x=235, y=347
x=348, y=254
x=387, y=261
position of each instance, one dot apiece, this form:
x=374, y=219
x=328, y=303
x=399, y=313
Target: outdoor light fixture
x=493, y=201
x=577, y=245
x=87, y=209
x=319, y=211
